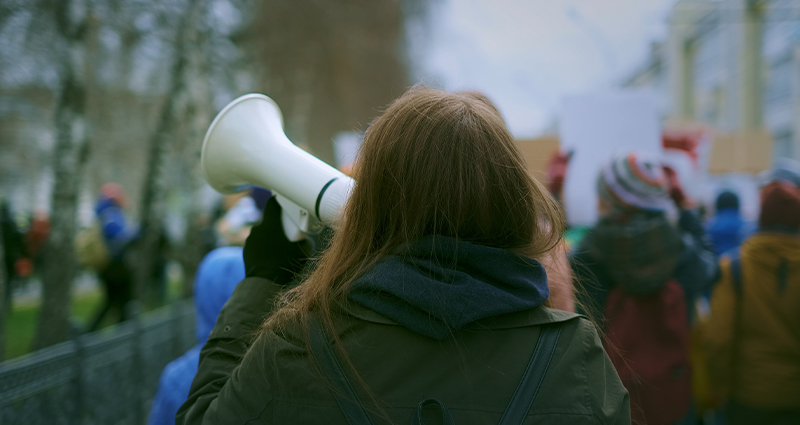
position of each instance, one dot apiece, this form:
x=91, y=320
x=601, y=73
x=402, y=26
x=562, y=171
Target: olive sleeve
x=609, y=398
x=218, y=371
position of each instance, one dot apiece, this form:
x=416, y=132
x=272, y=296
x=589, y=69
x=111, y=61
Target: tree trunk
x=197, y=117
x=153, y=200
x=69, y=156
x=3, y=289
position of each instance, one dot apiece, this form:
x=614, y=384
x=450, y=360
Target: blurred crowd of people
x=23, y=240
x=701, y=320
x=105, y=246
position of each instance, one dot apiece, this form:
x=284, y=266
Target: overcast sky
x=527, y=54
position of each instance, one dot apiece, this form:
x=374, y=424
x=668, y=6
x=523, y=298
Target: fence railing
x=105, y=377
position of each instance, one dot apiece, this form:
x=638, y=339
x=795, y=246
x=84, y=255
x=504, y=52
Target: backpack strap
x=736, y=282
x=736, y=274
x=346, y=396
x=531, y=381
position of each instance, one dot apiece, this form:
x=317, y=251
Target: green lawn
x=21, y=322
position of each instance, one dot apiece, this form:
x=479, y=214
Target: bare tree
x=196, y=115
x=3, y=289
x=71, y=151
x=153, y=201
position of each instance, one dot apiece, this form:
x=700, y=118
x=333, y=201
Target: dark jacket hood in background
x=639, y=252
x=439, y=284
x=640, y=255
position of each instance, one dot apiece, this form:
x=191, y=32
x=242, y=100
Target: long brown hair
x=434, y=163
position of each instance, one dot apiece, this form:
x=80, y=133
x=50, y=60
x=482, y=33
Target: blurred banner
x=595, y=127
x=537, y=152
x=741, y=152
x=687, y=147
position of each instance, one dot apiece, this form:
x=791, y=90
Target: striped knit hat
x=630, y=183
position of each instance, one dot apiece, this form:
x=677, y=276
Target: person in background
x=235, y=225
x=14, y=255
x=640, y=275
x=634, y=244
x=158, y=277
x=216, y=277
x=727, y=228
x=260, y=197
x=557, y=173
x=116, y=275
x=753, y=332
x=555, y=176
x=37, y=235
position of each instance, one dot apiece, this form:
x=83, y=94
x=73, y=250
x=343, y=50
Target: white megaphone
x=245, y=146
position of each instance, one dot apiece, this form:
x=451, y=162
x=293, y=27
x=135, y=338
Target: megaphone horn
x=246, y=146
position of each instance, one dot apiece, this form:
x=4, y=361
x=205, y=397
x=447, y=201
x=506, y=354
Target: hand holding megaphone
x=246, y=146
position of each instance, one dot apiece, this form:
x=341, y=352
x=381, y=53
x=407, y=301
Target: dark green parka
x=273, y=379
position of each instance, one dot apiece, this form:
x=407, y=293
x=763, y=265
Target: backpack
x=515, y=413
x=647, y=339
x=91, y=248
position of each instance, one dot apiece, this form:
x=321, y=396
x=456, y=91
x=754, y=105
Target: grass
x=21, y=321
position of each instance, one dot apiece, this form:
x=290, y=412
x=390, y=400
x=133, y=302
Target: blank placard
x=596, y=127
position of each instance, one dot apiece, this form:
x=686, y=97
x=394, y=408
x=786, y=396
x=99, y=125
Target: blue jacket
x=115, y=229
x=728, y=230
x=218, y=274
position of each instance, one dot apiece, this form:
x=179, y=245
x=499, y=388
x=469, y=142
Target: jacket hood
x=439, y=284
x=218, y=274
x=639, y=252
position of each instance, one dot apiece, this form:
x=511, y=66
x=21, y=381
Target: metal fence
x=106, y=377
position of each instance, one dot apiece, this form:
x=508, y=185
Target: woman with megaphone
x=428, y=305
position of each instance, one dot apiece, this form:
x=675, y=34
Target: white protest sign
x=595, y=128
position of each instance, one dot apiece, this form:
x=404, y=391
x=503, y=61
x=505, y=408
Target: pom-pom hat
x=632, y=182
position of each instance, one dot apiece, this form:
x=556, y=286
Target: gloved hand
x=267, y=252
x=675, y=189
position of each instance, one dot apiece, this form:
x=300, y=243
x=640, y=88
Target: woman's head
x=434, y=163
x=727, y=200
x=437, y=163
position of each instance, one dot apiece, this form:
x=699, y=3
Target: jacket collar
x=536, y=316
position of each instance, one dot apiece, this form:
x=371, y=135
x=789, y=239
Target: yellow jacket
x=768, y=340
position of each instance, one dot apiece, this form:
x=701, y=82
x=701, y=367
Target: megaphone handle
x=290, y=229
